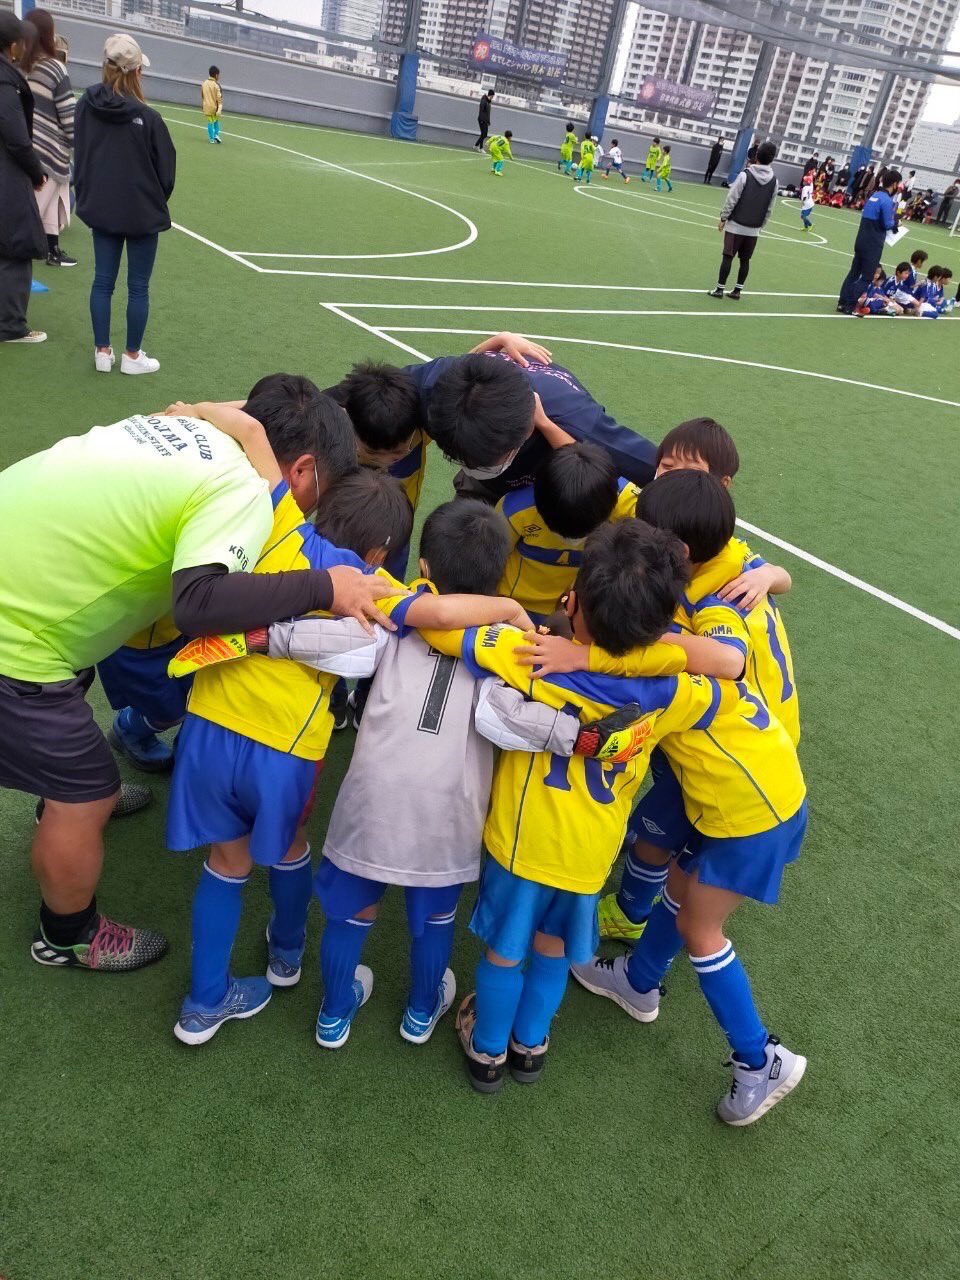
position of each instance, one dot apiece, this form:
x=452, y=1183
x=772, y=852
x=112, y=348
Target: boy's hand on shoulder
x=355, y=595
x=521, y=350
x=519, y=618
x=751, y=587
x=552, y=655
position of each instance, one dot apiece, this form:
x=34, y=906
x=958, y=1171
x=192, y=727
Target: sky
x=943, y=104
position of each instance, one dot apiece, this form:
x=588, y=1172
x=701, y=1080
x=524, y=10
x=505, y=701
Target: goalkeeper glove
x=208, y=651
x=617, y=737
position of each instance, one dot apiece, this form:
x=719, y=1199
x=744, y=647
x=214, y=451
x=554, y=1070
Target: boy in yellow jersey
x=565, y=163
x=556, y=823
x=652, y=162
x=665, y=169
x=499, y=146
x=588, y=157
x=256, y=732
x=211, y=103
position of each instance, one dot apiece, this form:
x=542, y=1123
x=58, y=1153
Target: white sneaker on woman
x=104, y=360
x=141, y=363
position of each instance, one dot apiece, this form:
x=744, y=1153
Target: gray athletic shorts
x=50, y=744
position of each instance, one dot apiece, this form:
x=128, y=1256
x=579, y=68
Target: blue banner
x=491, y=53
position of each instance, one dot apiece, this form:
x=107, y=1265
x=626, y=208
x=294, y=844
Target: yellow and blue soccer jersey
x=561, y=820
x=281, y=703
x=411, y=469
x=542, y=565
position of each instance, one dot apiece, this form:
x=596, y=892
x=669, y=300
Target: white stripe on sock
x=646, y=873
x=719, y=960
x=226, y=879
x=672, y=906
x=293, y=866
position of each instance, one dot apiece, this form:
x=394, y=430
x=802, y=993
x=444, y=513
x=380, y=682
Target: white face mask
x=491, y=473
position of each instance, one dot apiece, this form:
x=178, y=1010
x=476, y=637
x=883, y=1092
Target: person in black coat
x=21, y=231
x=716, y=151
x=125, y=168
x=483, y=118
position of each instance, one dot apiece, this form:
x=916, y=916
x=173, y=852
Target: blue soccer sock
x=658, y=944
x=217, y=904
x=544, y=984
x=340, y=950
x=291, y=887
x=429, y=957
x=724, y=982
x=640, y=885
x=499, y=988
x=579, y=174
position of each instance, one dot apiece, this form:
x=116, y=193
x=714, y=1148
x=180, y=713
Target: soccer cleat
x=340, y=705
x=527, y=1065
x=356, y=701
x=104, y=360
x=417, y=1028
x=332, y=1032
x=132, y=737
x=199, y=1023
x=754, y=1092
x=485, y=1071
x=34, y=336
x=131, y=800
x=615, y=924
x=207, y=651
x=608, y=977
x=104, y=945
x=717, y=292
x=734, y=294
x=284, y=964
x=140, y=363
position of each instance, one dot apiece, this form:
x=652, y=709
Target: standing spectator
x=813, y=163
x=946, y=203
x=908, y=183
x=126, y=165
x=21, y=173
x=753, y=151
x=716, y=151
x=52, y=128
x=879, y=216
x=745, y=213
x=211, y=103
x=843, y=177
x=483, y=118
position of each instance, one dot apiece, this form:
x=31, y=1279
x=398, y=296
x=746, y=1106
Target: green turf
x=123, y=1153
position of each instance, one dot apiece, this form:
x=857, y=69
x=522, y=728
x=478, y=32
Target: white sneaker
x=754, y=1091
x=141, y=364
x=35, y=335
x=104, y=360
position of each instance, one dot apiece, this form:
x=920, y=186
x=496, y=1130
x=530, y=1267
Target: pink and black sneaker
x=105, y=945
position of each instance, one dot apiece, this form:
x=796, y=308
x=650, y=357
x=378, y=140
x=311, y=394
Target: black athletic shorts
x=737, y=246
x=50, y=744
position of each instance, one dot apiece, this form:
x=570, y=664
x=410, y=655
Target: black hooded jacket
x=125, y=164
x=21, y=231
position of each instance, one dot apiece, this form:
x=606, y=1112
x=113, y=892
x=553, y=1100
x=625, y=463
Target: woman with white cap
x=125, y=170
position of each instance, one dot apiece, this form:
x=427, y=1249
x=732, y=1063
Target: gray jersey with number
x=412, y=807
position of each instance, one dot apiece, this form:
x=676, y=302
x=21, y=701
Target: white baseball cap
x=122, y=51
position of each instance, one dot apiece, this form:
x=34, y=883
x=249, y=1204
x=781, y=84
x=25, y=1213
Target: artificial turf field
x=126, y=1154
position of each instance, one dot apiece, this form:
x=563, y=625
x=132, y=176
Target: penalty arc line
x=833, y=570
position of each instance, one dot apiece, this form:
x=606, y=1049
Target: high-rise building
x=357, y=18
x=805, y=101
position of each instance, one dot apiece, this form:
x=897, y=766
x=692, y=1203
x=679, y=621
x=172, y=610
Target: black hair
x=666, y=148
x=891, y=178
x=569, y=126
x=702, y=438
x=576, y=489
x=465, y=544
x=656, y=139
x=918, y=257
x=629, y=584
x=490, y=93
x=214, y=71
x=766, y=153
x=508, y=133
x=946, y=273
x=365, y=511
x=933, y=273
x=382, y=401
x=299, y=419
x=481, y=409
x=615, y=142
x=11, y=30
x=694, y=506
x=902, y=266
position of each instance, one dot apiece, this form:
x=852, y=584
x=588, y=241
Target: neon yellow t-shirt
x=542, y=565
x=93, y=528
x=561, y=820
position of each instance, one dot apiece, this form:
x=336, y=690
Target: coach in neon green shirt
x=103, y=534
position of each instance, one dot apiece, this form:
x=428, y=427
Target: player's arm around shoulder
x=485, y=650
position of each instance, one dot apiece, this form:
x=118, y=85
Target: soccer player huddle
x=579, y=614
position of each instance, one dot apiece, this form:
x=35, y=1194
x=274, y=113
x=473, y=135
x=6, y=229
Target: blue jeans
x=141, y=255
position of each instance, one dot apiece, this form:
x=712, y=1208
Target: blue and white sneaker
x=332, y=1033
x=199, y=1023
x=608, y=977
x=754, y=1091
x=418, y=1029
x=132, y=737
x=283, y=963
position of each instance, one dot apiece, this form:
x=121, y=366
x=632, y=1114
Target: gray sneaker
x=753, y=1093
x=608, y=977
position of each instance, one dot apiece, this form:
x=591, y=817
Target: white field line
x=377, y=333
x=212, y=244
x=380, y=182
x=726, y=314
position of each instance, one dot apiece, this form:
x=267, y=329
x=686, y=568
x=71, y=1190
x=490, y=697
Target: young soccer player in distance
x=616, y=162
x=556, y=823
x=664, y=169
x=565, y=163
x=652, y=162
x=897, y=289
x=499, y=146
x=211, y=103
x=588, y=155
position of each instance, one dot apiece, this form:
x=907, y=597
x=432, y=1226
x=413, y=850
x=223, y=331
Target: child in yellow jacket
x=211, y=103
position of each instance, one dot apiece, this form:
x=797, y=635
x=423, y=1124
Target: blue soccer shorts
x=343, y=894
